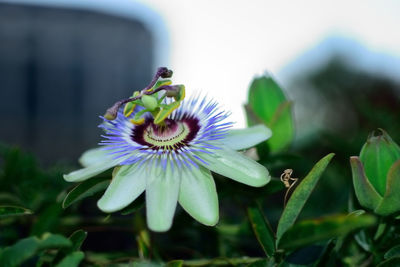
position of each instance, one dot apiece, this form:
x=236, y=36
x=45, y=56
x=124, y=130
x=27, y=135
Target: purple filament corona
x=193, y=129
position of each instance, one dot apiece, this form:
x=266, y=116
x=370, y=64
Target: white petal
x=245, y=138
x=236, y=166
x=93, y=156
x=161, y=197
x=198, y=195
x=89, y=172
x=125, y=187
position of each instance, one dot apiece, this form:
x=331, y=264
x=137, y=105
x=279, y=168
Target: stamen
x=152, y=104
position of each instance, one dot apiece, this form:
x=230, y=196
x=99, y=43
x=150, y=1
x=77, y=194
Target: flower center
x=170, y=136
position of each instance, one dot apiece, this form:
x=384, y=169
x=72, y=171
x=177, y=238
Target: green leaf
x=9, y=211
x=9, y=199
x=268, y=103
x=19, y=252
x=85, y=189
x=143, y=248
x=26, y=248
x=263, y=263
x=305, y=255
x=360, y=237
x=175, y=263
x=47, y=220
x=300, y=196
x=393, y=252
x=275, y=185
x=311, y=231
x=72, y=260
x=49, y=240
x=77, y=239
x=244, y=261
x=362, y=240
x=262, y=230
x=391, y=200
x=395, y=261
x=135, y=206
x=380, y=230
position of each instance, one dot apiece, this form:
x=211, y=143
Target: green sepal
x=366, y=194
x=391, y=200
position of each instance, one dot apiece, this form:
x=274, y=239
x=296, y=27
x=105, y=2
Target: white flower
x=172, y=162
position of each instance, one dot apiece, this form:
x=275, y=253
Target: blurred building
x=60, y=68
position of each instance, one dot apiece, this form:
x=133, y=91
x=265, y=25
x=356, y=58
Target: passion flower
x=169, y=151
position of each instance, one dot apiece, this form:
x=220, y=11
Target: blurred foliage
x=46, y=222
x=268, y=105
x=352, y=104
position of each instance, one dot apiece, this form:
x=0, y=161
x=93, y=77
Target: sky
x=217, y=46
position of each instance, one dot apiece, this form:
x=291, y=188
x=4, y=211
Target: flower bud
x=376, y=174
x=377, y=156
